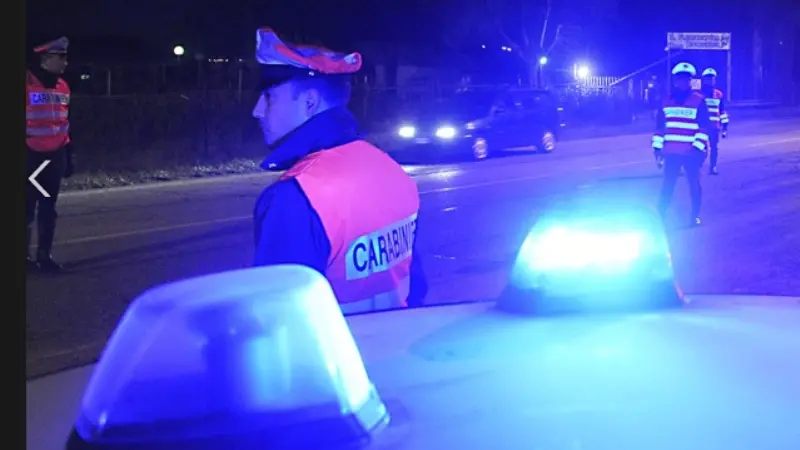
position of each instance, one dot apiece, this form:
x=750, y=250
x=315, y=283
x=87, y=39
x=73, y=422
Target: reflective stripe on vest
x=46, y=115
x=52, y=130
x=39, y=114
x=714, y=104
x=368, y=206
x=682, y=132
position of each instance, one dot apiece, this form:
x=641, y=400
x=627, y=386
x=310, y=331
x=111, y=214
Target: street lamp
x=543, y=60
x=178, y=50
x=581, y=71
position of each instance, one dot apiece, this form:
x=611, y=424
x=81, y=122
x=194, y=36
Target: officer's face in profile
x=283, y=108
x=682, y=82
x=55, y=63
x=709, y=80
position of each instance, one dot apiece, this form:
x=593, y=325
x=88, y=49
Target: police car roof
x=722, y=374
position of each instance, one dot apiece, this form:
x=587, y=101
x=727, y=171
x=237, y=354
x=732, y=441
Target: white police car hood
x=720, y=374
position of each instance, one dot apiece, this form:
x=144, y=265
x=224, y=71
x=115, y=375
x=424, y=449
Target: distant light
x=178, y=50
x=85, y=76
x=505, y=49
x=483, y=46
x=407, y=131
x=446, y=132
x=582, y=72
x=543, y=60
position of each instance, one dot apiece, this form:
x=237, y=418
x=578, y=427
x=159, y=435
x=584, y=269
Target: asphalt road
x=116, y=243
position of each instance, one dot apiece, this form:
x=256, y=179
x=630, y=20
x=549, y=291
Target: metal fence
x=131, y=117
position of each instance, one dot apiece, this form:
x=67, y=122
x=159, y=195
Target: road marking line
x=152, y=230
x=782, y=141
x=250, y=217
x=527, y=177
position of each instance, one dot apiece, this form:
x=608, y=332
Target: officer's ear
x=312, y=99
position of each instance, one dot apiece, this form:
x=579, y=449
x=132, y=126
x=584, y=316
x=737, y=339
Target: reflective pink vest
x=682, y=134
x=368, y=206
x=718, y=115
x=46, y=115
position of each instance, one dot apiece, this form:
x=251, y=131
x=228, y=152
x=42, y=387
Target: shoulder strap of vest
x=30, y=79
x=312, y=159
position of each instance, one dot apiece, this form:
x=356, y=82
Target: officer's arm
x=704, y=121
x=704, y=118
x=723, y=115
x=419, y=283
x=288, y=230
x=661, y=128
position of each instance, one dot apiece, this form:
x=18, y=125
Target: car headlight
x=597, y=256
x=406, y=131
x=446, y=132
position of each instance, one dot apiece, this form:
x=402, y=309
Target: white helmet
x=709, y=72
x=684, y=68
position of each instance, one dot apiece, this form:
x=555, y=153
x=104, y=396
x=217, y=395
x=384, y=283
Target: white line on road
x=410, y=169
x=104, y=237
x=782, y=141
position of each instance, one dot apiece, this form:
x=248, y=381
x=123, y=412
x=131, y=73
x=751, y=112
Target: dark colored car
x=479, y=124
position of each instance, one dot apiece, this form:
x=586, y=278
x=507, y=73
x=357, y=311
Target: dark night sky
x=227, y=27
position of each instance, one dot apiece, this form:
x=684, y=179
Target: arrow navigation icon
x=35, y=174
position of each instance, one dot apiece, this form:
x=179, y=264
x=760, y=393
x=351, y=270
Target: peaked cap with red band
x=58, y=46
x=281, y=62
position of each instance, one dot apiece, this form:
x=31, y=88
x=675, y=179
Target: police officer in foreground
x=682, y=139
x=715, y=100
x=48, y=142
x=342, y=206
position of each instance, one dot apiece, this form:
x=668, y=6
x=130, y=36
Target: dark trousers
x=714, y=150
x=691, y=165
x=39, y=208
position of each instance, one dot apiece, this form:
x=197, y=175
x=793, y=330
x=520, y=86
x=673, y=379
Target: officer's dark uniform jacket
x=288, y=230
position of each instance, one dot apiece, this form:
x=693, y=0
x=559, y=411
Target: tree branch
x=556, y=38
x=498, y=23
x=547, y=12
x=523, y=17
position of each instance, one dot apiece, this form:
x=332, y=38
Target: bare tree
x=532, y=28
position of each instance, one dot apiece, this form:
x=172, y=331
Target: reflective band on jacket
x=39, y=114
x=682, y=133
x=714, y=103
x=368, y=206
x=46, y=115
x=48, y=131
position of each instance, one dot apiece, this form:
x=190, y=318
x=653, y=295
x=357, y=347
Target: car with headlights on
x=479, y=124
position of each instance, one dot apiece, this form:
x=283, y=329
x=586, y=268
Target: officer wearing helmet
x=715, y=100
x=681, y=139
x=342, y=206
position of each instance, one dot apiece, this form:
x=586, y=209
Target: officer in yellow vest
x=49, y=146
x=342, y=207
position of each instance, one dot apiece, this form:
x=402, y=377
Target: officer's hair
x=334, y=89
